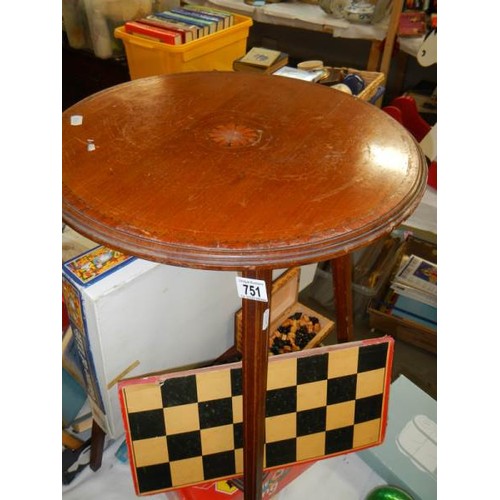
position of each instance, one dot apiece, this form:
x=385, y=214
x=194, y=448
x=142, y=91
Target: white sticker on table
x=265, y=319
x=76, y=120
x=251, y=289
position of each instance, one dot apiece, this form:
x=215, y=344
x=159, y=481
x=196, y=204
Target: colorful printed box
x=273, y=482
x=131, y=317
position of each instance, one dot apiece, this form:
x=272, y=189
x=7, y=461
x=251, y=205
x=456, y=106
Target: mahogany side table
x=236, y=171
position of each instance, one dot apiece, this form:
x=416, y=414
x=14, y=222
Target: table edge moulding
x=239, y=172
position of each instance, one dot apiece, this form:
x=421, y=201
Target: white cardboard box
x=139, y=317
x=131, y=317
x=408, y=456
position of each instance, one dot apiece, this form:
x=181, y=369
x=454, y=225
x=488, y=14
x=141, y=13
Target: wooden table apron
x=239, y=171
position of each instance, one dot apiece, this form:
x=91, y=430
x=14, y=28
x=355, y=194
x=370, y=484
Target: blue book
x=202, y=25
x=226, y=16
x=415, y=319
x=216, y=23
x=416, y=308
x=415, y=311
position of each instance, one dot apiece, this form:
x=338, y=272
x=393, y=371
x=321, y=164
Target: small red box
x=274, y=481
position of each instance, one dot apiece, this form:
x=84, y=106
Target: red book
x=187, y=34
x=153, y=33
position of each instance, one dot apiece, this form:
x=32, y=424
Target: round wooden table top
x=235, y=171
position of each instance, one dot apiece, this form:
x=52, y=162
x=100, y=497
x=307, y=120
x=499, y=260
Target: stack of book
x=261, y=60
x=180, y=25
x=413, y=292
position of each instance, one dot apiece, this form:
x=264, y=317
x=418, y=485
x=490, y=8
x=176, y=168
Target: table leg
x=96, y=446
x=374, y=56
x=390, y=39
x=255, y=356
x=342, y=276
x=399, y=79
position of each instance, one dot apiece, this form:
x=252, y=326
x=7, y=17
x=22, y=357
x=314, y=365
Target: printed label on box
x=95, y=264
x=73, y=301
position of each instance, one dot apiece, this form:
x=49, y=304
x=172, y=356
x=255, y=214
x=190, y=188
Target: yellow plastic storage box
x=211, y=52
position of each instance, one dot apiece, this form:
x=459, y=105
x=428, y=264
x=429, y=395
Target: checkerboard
x=186, y=428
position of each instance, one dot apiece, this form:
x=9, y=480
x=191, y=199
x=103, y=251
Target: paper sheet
x=425, y=216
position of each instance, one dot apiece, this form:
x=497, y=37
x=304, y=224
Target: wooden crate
x=373, y=80
x=284, y=303
x=404, y=329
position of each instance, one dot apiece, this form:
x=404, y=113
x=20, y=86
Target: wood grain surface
x=233, y=171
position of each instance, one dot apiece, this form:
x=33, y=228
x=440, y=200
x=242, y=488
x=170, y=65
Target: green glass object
x=388, y=493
